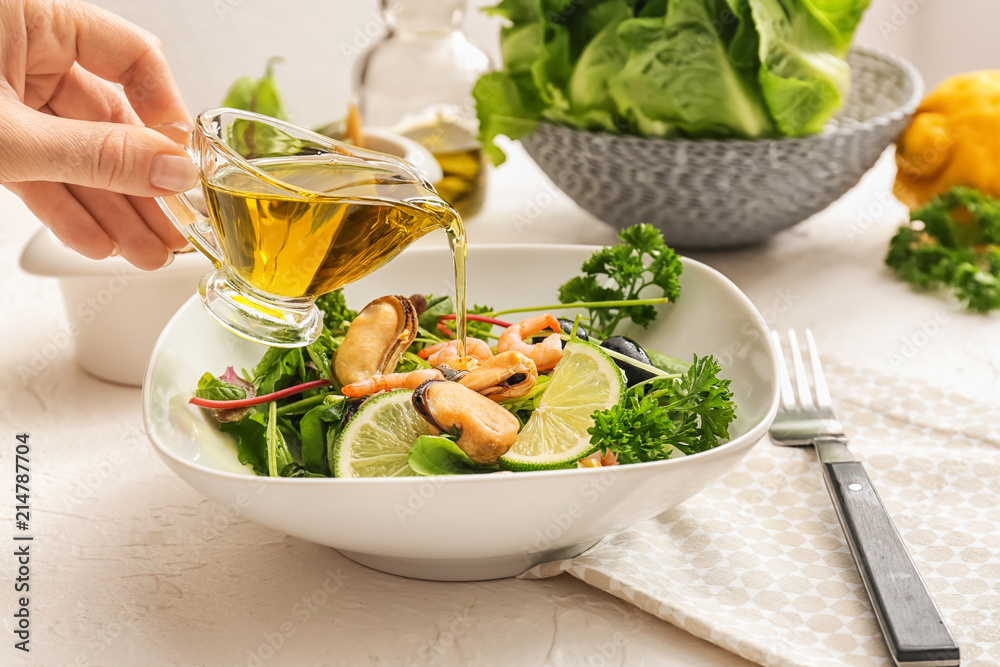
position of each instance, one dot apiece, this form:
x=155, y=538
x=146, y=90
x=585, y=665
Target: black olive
x=352, y=407
x=567, y=326
x=632, y=350
x=419, y=302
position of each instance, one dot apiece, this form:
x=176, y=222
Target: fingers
x=116, y=50
x=158, y=221
x=123, y=158
x=98, y=224
x=83, y=96
x=115, y=214
x=71, y=223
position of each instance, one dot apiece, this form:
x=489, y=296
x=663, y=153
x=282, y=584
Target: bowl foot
x=475, y=569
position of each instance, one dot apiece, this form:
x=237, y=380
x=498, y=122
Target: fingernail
x=115, y=251
x=170, y=260
x=173, y=172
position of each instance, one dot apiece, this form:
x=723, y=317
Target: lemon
x=584, y=381
x=377, y=440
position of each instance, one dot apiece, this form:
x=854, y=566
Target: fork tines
x=805, y=398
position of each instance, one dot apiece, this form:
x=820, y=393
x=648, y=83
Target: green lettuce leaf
x=697, y=68
x=803, y=74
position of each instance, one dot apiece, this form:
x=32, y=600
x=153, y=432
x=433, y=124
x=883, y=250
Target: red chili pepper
x=479, y=318
x=257, y=400
x=443, y=328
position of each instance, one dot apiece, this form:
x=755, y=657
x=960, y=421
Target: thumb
x=129, y=159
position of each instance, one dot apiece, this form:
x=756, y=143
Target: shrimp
x=448, y=350
x=545, y=354
x=507, y=375
x=378, y=383
x=599, y=459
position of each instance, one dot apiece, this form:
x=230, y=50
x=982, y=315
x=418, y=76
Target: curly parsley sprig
x=690, y=412
x=954, y=242
x=621, y=273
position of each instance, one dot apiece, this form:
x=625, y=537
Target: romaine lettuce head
x=680, y=74
x=698, y=68
x=803, y=74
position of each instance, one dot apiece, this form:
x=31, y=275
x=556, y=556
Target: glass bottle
x=418, y=80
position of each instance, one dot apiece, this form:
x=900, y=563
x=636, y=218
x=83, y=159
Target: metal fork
x=911, y=623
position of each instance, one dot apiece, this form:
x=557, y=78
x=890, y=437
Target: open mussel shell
x=376, y=339
x=484, y=430
x=422, y=402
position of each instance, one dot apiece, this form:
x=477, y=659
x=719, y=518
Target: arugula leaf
x=336, y=315
x=690, y=413
x=439, y=455
x=321, y=353
x=314, y=426
x=621, y=272
x=437, y=307
x=214, y=389
x=278, y=368
x=251, y=447
x=278, y=455
x=667, y=363
x=953, y=242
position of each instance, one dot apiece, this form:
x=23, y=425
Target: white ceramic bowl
x=477, y=527
x=116, y=311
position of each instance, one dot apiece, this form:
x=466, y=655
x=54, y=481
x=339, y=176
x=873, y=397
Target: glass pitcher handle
x=195, y=227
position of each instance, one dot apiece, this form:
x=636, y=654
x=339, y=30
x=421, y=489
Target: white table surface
x=132, y=567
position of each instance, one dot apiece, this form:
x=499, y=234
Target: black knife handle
x=911, y=623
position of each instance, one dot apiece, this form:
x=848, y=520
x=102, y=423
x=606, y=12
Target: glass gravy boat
x=294, y=215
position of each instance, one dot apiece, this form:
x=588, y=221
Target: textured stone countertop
x=130, y=566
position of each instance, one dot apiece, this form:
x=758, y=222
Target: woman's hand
x=73, y=145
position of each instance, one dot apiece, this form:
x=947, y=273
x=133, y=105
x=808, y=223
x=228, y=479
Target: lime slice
x=585, y=380
x=377, y=440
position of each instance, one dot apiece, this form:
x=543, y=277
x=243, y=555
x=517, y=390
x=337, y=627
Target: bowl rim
x=889, y=117
x=747, y=439
x=45, y=255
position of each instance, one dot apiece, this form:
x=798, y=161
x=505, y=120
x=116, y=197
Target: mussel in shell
x=376, y=339
x=485, y=430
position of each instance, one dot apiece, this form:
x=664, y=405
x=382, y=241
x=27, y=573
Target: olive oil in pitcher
x=339, y=225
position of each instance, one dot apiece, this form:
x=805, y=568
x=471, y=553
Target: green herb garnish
x=690, y=412
x=336, y=315
x=621, y=273
x=952, y=242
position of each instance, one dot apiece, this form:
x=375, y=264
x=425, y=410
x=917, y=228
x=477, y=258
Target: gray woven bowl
x=712, y=193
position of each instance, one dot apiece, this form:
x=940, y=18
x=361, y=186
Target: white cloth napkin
x=758, y=563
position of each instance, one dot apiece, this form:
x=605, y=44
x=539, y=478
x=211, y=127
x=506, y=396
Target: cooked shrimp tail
x=378, y=383
x=545, y=354
x=447, y=351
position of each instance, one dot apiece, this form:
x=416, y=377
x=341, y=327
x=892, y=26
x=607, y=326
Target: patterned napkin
x=758, y=563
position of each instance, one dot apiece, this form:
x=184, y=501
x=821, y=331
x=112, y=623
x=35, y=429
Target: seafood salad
x=390, y=391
